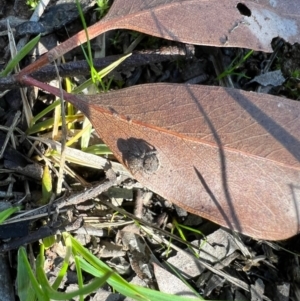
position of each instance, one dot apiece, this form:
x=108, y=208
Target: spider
x=142, y=161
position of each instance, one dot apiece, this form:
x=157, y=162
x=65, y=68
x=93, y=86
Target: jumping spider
x=142, y=161
x=139, y=155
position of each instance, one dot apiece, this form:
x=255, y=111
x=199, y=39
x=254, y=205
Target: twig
x=89, y=193
x=74, y=199
x=47, y=73
x=9, y=133
x=63, y=137
x=62, y=202
x=13, y=51
x=39, y=234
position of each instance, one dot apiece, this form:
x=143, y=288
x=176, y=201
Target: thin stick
x=13, y=51
x=9, y=133
x=63, y=137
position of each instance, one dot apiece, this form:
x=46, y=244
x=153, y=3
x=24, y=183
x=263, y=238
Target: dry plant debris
x=227, y=155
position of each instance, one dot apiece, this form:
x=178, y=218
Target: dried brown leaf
x=226, y=23
x=227, y=155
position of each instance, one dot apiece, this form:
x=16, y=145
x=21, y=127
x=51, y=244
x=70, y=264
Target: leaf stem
x=76, y=40
x=30, y=81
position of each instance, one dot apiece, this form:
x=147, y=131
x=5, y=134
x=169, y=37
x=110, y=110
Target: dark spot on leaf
x=243, y=9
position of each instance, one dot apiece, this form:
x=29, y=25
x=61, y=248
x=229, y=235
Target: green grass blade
x=101, y=74
x=79, y=276
x=100, y=269
x=96, y=267
x=116, y=281
x=90, y=57
x=7, y=213
x=80, y=134
x=98, y=149
x=52, y=294
x=47, y=124
x=183, y=280
x=65, y=265
x=46, y=186
x=23, y=265
x=60, y=276
x=130, y=290
x=157, y=295
x=20, y=55
x=45, y=111
x=25, y=290
x=86, y=290
x=86, y=135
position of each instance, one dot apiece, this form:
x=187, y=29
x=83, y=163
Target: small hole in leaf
x=243, y=9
